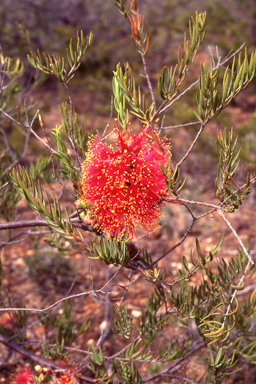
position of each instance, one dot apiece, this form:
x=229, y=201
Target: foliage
x=202, y=294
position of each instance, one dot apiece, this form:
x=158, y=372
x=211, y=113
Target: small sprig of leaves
x=135, y=98
x=125, y=7
x=167, y=82
x=129, y=374
x=207, y=98
x=58, y=66
x=137, y=350
x=66, y=328
x=96, y=362
x=219, y=365
x=9, y=197
x=10, y=67
x=39, y=168
x=38, y=199
x=172, y=177
x=67, y=165
x=79, y=131
x=139, y=29
x=235, y=79
x=149, y=323
x=222, y=312
x=111, y=252
x=186, y=300
x=123, y=322
x=228, y=192
x=174, y=350
x=120, y=105
x=54, y=352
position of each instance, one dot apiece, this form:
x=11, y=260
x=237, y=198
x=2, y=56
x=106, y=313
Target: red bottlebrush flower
x=122, y=184
x=23, y=375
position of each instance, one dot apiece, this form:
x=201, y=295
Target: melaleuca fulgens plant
x=120, y=180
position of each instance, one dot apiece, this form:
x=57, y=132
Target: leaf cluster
x=228, y=192
x=171, y=78
x=124, y=79
x=173, y=181
x=63, y=69
x=110, y=251
x=125, y=7
x=67, y=329
x=235, y=79
x=150, y=323
x=38, y=199
x=123, y=322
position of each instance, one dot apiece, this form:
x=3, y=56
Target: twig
x=110, y=117
x=107, y=326
x=10, y=167
x=26, y=126
x=11, y=239
x=175, y=246
x=8, y=146
x=4, y=185
x=71, y=126
x=236, y=235
x=97, y=291
x=125, y=290
x=44, y=317
x=149, y=82
x=192, y=145
x=180, y=125
x=40, y=223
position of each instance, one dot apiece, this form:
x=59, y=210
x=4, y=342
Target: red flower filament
x=23, y=375
x=124, y=184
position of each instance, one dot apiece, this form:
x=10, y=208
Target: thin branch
x=8, y=146
x=4, y=185
x=98, y=291
x=57, y=302
x=175, y=246
x=184, y=201
x=72, y=127
x=149, y=82
x=110, y=117
x=11, y=239
x=10, y=167
x=236, y=235
x=44, y=317
x=180, y=125
x=40, y=223
x=27, y=126
x=192, y=145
